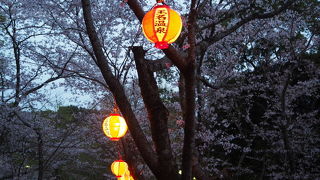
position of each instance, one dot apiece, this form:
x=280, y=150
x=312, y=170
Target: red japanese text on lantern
x=161, y=20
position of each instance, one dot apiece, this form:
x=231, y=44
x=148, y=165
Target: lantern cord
x=160, y=1
x=115, y=106
x=119, y=150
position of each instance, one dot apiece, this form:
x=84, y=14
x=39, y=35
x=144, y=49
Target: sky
x=63, y=96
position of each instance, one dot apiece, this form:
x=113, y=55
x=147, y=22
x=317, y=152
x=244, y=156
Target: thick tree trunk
x=158, y=116
x=190, y=103
x=189, y=129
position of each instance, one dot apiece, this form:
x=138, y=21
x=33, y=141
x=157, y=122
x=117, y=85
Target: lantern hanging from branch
x=162, y=25
x=119, y=168
x=114, y=127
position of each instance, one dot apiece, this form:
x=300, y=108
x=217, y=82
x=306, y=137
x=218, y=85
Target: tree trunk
x=284, y=128
x=190, y=104
x=157, y=115
x=40, y=156
x=189, y=129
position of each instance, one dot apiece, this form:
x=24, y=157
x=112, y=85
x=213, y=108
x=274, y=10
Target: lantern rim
x=114, y=138
x=161, y=45
x=114, y=114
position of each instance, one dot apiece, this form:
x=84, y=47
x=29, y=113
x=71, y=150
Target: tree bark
x=158, y=116
x=190, y=104
x=284, y=128
x=189, y=129
x=40, y=155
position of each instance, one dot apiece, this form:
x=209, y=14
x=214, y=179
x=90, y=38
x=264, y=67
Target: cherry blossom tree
x=32, y=143
x=233, y=17
x=227, y=100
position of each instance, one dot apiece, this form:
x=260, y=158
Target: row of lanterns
x=115, y=127
x=162, y=26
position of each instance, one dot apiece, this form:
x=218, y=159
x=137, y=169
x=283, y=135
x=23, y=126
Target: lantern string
x=160, y=1
x=115, y=106
x=119, y=150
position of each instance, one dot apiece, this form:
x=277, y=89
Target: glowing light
x=114, y=127
x=162, y=26
x=119, y=168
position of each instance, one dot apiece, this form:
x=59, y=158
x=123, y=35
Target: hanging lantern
x=114, y=127
x=126, y=176
x=119, y=168
x=162, y=26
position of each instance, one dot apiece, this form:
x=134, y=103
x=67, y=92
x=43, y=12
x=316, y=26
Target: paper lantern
x=162, y=26
x=119, y=168
x=114, y=127
x=126, y=176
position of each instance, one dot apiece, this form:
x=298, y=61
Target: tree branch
x=159, y=64
x=253, y=16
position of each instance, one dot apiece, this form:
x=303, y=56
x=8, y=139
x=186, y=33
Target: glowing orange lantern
x=162, y=26
x=114, y=127
x=119, y=168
